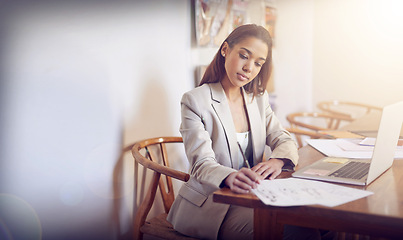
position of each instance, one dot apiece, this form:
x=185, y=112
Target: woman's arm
x=198, y=144
x=284, y=149
x=278, y=139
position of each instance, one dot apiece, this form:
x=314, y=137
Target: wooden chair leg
x=145, y=207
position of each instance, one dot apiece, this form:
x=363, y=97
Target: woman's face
x=243, y=61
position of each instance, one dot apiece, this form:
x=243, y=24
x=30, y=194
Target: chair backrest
x=316, y=121
x=152, y=154
x=298, y=133
x=352, y=110
x=309, y=123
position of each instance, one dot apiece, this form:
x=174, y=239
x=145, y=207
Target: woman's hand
x=243, y=180
x=271, y=168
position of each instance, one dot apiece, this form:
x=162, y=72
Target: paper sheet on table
x=369, y=141
x=348, y=148
x=297, y=192
x=353, y=145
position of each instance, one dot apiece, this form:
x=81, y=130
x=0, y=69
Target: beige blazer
x=210, y=141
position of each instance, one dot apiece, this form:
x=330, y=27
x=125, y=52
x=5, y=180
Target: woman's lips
x=242, y=77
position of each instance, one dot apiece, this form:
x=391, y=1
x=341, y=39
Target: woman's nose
x=247, y=67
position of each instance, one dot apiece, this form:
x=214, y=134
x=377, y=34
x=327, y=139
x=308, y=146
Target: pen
x=243, y=156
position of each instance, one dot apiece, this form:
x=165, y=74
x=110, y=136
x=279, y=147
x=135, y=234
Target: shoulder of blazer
x=217, y=92
x=214, y=90
x=260, y=99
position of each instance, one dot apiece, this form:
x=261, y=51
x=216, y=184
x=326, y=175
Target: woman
x=226, y=117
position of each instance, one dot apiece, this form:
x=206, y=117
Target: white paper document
x=297, y=192
x=348, y=148
x=371, y=142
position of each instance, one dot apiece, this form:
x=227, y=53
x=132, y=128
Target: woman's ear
x=224, y=49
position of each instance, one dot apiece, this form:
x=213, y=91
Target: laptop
x=361, y=171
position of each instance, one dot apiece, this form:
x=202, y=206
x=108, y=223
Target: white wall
x=329, y=49
x=358, y=51
x=80, y=79
x=292, y=57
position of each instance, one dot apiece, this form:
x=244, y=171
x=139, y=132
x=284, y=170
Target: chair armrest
x=157, y=167
x=311, y=134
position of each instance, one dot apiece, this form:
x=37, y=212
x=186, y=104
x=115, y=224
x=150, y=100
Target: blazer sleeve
x=278, y=139
x=198, y=144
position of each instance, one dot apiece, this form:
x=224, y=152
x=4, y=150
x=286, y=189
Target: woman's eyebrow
x=250, y=53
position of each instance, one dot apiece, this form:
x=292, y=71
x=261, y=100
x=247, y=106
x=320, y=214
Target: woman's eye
x=258, y=64
x=243, y=56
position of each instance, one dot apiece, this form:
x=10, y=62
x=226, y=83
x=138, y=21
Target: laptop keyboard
x=353, y=170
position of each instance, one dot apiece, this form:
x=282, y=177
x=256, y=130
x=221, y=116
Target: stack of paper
x=297, y=192
x=348, y=148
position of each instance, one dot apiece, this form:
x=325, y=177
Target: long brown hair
x=215, y=72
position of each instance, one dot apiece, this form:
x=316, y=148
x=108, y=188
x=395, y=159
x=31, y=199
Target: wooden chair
x=298, y=133
x=148, y=153
x=310, y=123
x=351, y=110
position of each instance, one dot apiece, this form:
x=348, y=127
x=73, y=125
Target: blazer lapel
x=255, y=126
x=221, y=107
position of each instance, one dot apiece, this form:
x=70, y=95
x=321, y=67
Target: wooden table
x=380, y=214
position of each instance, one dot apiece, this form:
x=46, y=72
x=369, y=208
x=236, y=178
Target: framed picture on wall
x=270, y=21
x=212, y=21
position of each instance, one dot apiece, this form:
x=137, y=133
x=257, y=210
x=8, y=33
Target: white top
x=246, y=144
